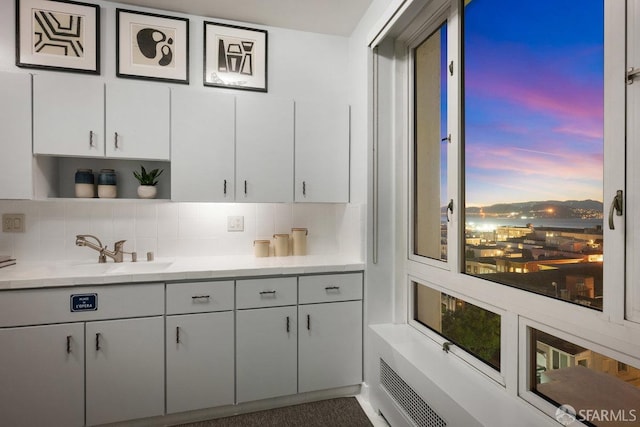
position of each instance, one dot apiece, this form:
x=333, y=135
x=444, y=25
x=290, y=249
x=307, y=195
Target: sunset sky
x=533, y=100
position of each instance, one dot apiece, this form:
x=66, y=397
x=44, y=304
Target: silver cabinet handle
x=69, y=344
x=288, y=328
x=304, y=188
x=332, y=288
x=98, y=335
x=91, y=145
x=115, y=140
x=245, y=187
x=308, y=322
x=177, y=334
x=224, y=187
x=197, y=298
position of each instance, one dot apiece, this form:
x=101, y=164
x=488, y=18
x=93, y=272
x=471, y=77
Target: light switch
x=235, y=223
x=13, y=223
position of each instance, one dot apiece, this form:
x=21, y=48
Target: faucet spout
x=116, y=255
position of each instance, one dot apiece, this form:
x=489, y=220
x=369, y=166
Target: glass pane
x=534, y=119
x=470, y=327
x=430, y=149
x=588, y=386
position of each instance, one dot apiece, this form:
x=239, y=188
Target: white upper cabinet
x=321, y=152
x=79, y=116
x=68, y=116
x=15, y=122
x=264, y=150
x=202, y=146
x=137, y=121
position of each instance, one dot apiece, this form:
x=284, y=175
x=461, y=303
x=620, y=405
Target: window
x=534, y=123
x=589, y=385
x=468, y=326
x=430, y=146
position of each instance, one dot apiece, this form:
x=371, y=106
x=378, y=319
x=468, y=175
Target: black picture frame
x=141, y=56
x=62, y=35
x=235, y=57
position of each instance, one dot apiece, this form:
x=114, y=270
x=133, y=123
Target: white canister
x=299, y=236
x=281, y=244
x=261, y=248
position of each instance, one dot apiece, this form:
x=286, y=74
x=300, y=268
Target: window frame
x=609, y=327
x=496, y=375
x=524, y=359
x=440, y=12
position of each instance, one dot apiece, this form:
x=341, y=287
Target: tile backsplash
x=176, y=229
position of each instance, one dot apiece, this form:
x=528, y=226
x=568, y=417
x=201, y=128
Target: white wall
x=301, y=65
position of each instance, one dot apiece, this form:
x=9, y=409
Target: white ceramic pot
x=147, y=191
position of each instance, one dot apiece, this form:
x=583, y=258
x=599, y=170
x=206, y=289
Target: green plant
x=147, y=178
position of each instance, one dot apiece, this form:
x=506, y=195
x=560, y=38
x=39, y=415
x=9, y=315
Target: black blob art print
x=154, y=45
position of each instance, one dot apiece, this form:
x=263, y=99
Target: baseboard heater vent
x=414, y=406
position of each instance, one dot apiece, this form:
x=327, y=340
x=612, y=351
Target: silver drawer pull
x=201, y=298
x=332, y=288
x=268, y=293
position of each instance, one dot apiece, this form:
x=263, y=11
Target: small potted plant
x=148, y=180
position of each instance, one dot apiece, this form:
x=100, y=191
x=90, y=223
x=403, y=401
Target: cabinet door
x=264, y=150
x=15, y=122
x=137, y=121
x=125, y=369
x=330, y=345
x=322, y=152
x=200, y=361
x=202, y=146
x=42, y=376
x=266, y=359
x=68, y=116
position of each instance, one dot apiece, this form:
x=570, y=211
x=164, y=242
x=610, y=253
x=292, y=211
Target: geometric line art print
x=56, y=33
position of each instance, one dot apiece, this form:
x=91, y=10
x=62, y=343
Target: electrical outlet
x=13, y=223
x=235, y=223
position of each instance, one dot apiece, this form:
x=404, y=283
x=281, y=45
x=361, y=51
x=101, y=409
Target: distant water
x=578, y=223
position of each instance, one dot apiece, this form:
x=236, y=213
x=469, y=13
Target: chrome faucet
x=116, y=255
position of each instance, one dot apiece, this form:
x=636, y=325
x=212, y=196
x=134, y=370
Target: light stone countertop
x=75, y=273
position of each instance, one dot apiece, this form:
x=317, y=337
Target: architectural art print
x=235, y=57
x=56, y=34
x=151, y=46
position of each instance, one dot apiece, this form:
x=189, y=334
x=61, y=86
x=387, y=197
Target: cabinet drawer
x=255, y=293
x=199, y=297
x=54, y=305
x=330, y=287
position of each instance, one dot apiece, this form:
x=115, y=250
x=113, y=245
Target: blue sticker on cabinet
x=84, y=302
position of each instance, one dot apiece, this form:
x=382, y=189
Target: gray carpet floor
x=340, y=412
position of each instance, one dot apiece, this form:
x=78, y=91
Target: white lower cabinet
x=329, y=345
x=266, y=353
x=125, y=369
x=42, y=376
x=200, y=361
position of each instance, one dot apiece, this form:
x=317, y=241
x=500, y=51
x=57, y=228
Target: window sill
x=483, y=399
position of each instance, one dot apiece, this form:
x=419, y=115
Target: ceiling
x=337, y=17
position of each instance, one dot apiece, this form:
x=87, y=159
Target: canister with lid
x=85, y=183
x=299, y=237
x=107, y=184
x=281, y=244
x=261, y=248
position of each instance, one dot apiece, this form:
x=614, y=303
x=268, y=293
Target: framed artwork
x=235, y=57
x=152, y=47
x=60, y=35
